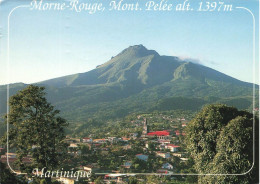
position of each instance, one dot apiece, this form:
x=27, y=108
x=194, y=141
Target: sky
x=50, y=44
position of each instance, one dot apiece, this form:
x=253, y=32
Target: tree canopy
x=220, y=140
x=7, y=177
x=36, y=129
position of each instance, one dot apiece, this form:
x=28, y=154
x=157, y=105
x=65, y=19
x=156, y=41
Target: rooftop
x=159, y=133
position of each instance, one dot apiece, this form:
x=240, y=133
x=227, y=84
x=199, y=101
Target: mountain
x=138, y=66
x=138, y=79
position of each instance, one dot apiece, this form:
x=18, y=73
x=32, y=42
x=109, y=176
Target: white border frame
x=133, y=174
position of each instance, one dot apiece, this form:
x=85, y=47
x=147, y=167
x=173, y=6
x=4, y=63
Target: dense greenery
x=102, y=103
x=123, y=126
x=140, y=80
x=215, y=131
x=220, y=140
x=36, y=129
x=6, y=177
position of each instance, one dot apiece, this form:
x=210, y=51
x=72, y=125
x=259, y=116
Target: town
x=156, y=149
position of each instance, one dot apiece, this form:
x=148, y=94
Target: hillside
x=138, y=79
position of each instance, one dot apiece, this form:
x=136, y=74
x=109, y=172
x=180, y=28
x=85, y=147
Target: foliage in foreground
x=6, y=177
x=36, y=129
x=220, y=140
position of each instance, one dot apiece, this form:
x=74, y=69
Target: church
x=161, y=135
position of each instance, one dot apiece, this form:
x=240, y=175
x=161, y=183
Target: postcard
x=129, y=91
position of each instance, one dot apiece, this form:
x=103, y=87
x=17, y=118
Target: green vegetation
x=106, y=102
x=123, y=126
x=140, y=80
x=36, y=129
x=220, y=140
x=6, y=177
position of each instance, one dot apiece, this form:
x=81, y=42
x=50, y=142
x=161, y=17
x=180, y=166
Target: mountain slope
x=133, y=66
x=137, y=79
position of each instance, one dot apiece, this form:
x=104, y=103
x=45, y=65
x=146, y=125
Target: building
x=73, y=145
x=101, y=141
x=147, y=145
x=163, y=155
x=115, y=178
x=145, y=128
x=91, y=167
x=167, y=166
x=172, y=147
x=125, y=139
x=73, y=140
x=177, y=155
x=142, y=157
x=67, y=180
x=127, y=164
x=161, y=141
x=184, y=159
x=12, y=157
x=177, y=132
x=9, y=155
x=162, y=171
x=87, y=140
x=1, y=150
x=134, y=135
x=161, y=146
x=127, y=147
x=112, y=139
x=161, y=135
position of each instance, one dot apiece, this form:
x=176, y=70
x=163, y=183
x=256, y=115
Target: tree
x=84, y=149
x=7, y=177
x=132, y=180
x=99, y=180
x=36, y=129
x=156, y=179
x=43, y=181
x=220, y=140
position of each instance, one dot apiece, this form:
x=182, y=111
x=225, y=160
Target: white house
x=9, y=155
x=87, y=140
x=91, y=167
x=67, y=180
x=147, y=145
x=177, y=155
x=167, y=166
x=113, y=139
x=100, y=141
x=163, y=155
x=172, y=147
x=73, y=145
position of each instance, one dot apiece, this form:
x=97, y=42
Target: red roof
x=126, y=139
x=159, y=133
x=172, y=145
x=162, y=171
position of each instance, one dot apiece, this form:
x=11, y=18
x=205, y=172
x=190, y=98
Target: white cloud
x=204, y=62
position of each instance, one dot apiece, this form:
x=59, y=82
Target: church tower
x=145, y=127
